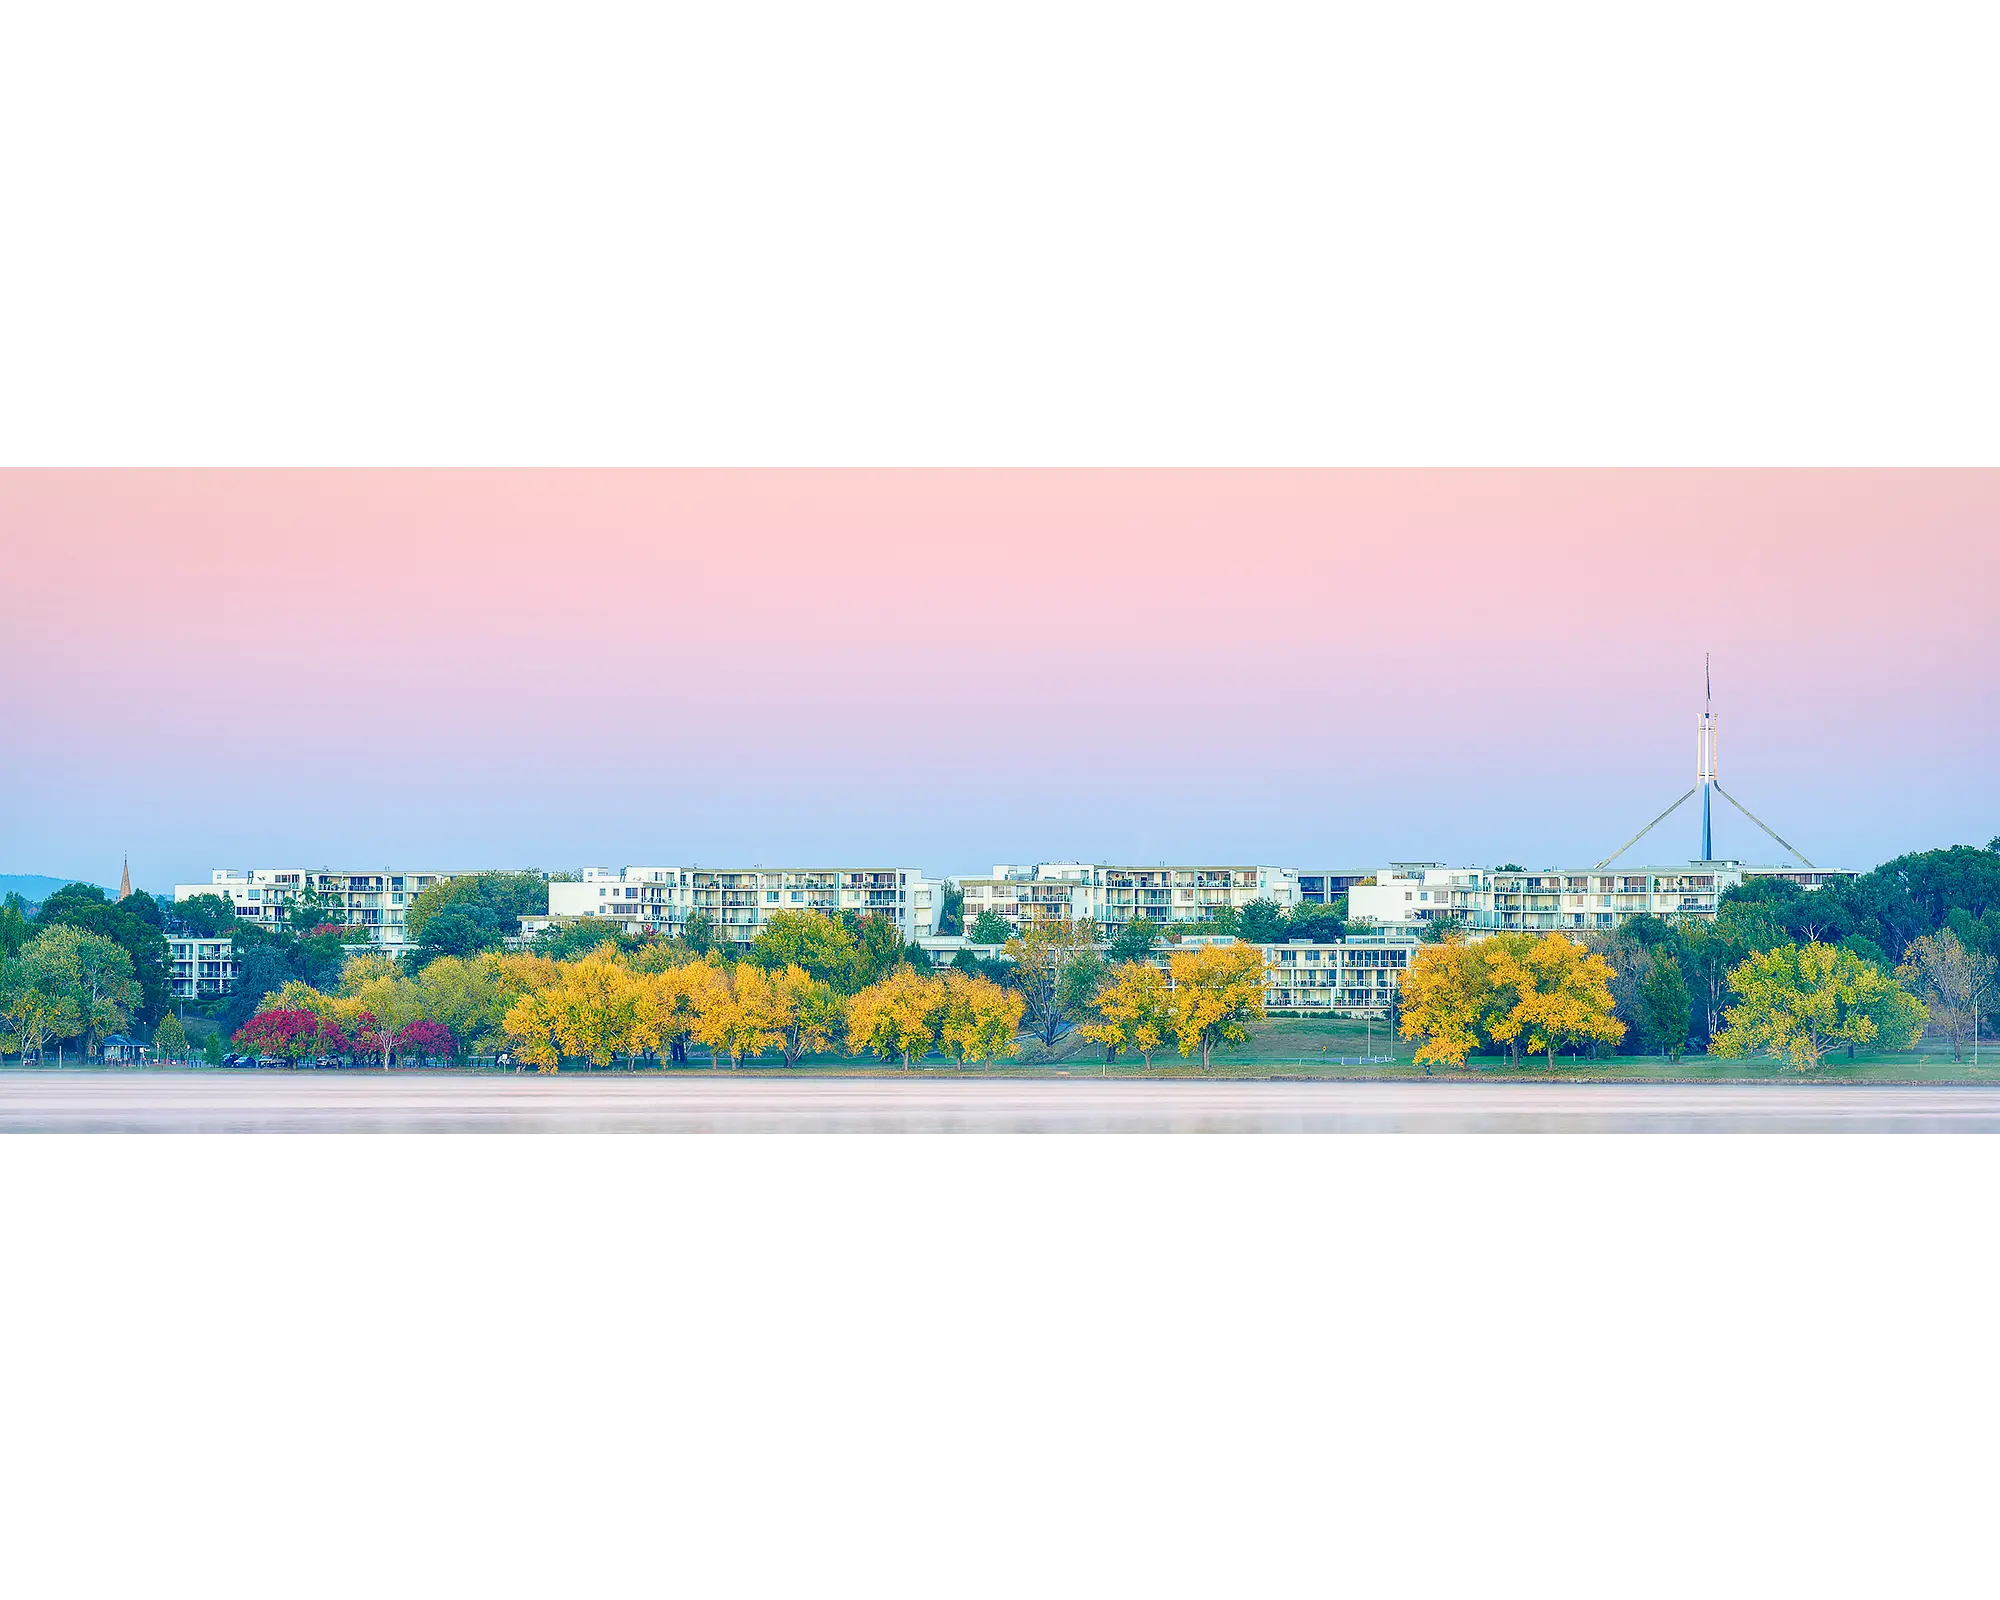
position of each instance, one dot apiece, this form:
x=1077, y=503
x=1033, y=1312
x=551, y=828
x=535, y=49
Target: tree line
x=807, y=983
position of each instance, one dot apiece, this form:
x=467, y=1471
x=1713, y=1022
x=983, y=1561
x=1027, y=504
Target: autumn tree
x=1218, y=990
x=1134, y=1012
x=1056, y=967
x=1799, y=1001
x=1557, y=994
x=900, y=1016
x=1954, y=981
x=534, y=1028
x=734, y=1016
x=807, y=1013
x=1447, y=994
x=980, y=1019
x=671, y=1002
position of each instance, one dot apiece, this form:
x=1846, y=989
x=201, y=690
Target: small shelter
x=119, y=1048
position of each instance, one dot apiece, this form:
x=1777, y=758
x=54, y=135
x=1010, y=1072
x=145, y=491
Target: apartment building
x=199, y=968
x=1407, y=894
x=1322, y=886
x=1071, y=890
x=374, y=902
x=740, y=900
x=1358, y=976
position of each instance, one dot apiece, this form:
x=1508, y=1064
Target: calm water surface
x=367, y=1102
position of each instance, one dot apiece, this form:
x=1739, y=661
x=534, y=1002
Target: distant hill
x=33, y=886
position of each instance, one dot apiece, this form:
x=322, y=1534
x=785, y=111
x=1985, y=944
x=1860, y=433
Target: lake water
x=372, y=1102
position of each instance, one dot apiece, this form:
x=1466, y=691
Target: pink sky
x=952, y=668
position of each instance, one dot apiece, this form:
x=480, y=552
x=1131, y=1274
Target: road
x=372, y=1102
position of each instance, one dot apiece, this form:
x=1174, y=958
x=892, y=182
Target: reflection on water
x=441, y=1103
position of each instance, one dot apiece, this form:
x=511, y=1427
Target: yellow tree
x=899, y=1016
x=1445, y=996
x=1799, y=1001
x=804, y=1012
x=1218, y=991
x=1568, y=1002
x=1508, y=980
x=1135, y=1011
x=670, y=1004
x=733, y=1016
x=980, y=1018
x=533, y=1026
x=596, y=1007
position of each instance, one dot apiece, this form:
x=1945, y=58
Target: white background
x=1095, y=234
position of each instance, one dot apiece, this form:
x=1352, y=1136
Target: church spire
x=125, y=880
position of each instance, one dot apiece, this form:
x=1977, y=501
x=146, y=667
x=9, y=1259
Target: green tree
x=1262, y=922
x=1799, y=1001
x=490, y=903
x=206, y=916
x=1666, y=1006
x=811, y=940
x=170, y=1038
x=989, y=927
x=14, y=928
x=1056, y=966
x=951, y=913
x=1318, y=923
x=91, y=971
x=133, y=925
x=32, y=1014
x=1133, y=942
x=878, y=946
x=698, y=932
x=1954, y=981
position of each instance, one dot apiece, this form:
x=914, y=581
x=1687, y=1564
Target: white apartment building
x=1321, y=886
x=199, y=968
x=1113, y=896
x=740, y=900
x=374, y=902
x=1407, y=894
x=1358, y=976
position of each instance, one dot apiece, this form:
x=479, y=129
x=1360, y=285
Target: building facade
x=740, y=900
x=200, y=968
x=1113, y=896
x=1407, y=894
x=1322, y=886
x=1358, y=976
x=374, y=902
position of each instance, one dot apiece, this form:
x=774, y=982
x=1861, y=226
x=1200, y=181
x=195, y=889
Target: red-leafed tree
x=293, y=1035
x=429, y=1040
